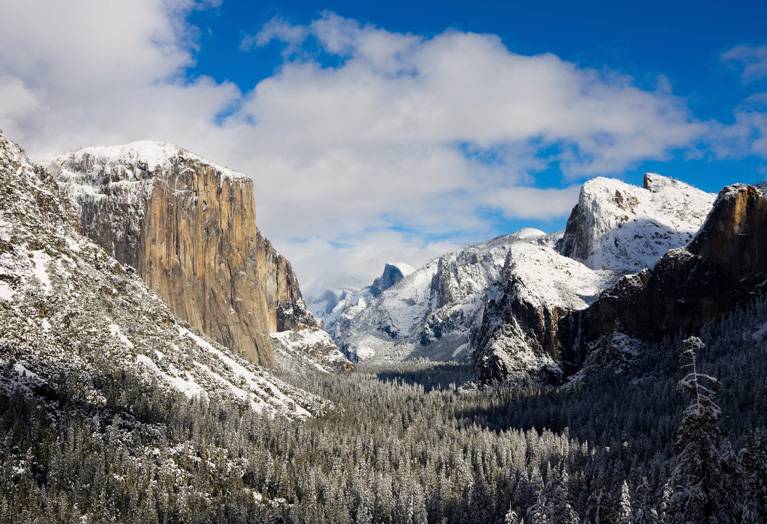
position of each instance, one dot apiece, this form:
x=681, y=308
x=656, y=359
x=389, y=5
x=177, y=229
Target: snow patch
x=6, y=291
x=41, y=260
x=527, y=233
x=187, y=385
x=22, y=370
x=152, y=153
x=116, y=332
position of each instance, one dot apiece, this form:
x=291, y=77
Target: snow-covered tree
x=512, y=518
x=553, y=505
x=625, y=513
x=644, y=510
x=701, y=478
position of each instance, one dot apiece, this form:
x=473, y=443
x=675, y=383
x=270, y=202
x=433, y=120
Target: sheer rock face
x=189, y=228
x=723, y=268
x=72, y=314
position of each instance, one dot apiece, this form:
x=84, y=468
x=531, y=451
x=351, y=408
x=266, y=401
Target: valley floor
x=402, y=444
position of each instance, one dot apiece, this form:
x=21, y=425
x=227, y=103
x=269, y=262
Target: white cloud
x=753, y=60
x=531, y=202
x=418, y=132
x=355, y=262
x=747, y=135
x=275, y=29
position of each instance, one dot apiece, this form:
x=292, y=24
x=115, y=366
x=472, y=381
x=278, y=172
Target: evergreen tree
x=753, y=464
x=645, y=512
x=553, y=505
x=625, y=513
x=512, y=518
x=700, y=479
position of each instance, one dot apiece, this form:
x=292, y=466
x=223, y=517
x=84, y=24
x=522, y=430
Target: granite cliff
x=189, y=228
x=76, y=325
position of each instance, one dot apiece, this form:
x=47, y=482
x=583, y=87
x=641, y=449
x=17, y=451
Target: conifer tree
x=625, y=513
x=700, y=479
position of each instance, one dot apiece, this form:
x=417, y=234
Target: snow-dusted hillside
x=627, y=228
x=308, y=350
x=72, y=318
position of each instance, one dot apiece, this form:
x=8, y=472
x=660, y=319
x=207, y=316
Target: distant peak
x=392, y=274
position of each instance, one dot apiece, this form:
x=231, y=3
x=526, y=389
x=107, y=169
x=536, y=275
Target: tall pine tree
x=701, y=478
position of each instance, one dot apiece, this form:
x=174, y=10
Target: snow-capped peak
x=622, y=227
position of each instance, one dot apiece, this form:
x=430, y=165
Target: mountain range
x=499, y=304
x=524, y=305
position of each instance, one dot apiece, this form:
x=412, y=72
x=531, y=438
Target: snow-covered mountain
x=517, y=333
x=188, y=226
x=428, y=312
x=498, y=302
x=335, y=309
x=74, y=321
x=723, y=268
x=627, y=228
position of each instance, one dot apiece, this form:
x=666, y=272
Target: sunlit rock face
x=76, y=325
x=189, y=228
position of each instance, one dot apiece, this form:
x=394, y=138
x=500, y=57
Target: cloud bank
x=365, y=145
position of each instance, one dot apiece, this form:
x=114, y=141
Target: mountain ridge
x=464, y=304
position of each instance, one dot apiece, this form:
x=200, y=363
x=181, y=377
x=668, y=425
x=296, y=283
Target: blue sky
x=393, y=132
x=680, y=41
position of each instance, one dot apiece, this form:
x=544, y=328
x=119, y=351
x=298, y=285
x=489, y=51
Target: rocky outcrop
x=724, y=267
x=392, y=274
x=76, y=325
x=519, y=330
x=189, y=229
x=307, y=351
x=627, y=228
